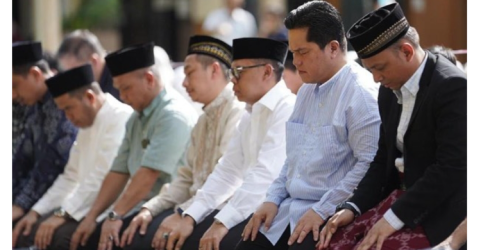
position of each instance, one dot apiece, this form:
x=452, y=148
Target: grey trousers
x=60, y=239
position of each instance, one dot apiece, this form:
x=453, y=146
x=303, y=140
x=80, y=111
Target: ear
x=90, y=96
x=37, y=74
x=407, y=51
x=149, y=76
x=269, y=71
x=94, y=59
x=333, y=48
x=216, y=70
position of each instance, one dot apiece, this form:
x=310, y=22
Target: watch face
x=59, y=212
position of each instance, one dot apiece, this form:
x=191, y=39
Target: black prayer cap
x=130, y=58
x=259, y=48
x=70, y=80
x=210, y=46
x=378, y=30
x=26, y=52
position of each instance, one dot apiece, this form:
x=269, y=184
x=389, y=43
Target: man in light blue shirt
x=331, y=136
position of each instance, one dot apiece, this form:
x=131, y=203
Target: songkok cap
x=26, y=52
x=70, y=80
x=130, y=58
x=259, y=48
x=210, y=46
x=378, y=30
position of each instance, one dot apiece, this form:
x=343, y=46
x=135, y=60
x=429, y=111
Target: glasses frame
x=235, y=71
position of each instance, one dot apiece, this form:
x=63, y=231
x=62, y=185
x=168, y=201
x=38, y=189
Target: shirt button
x=304, y=152
x=320, y=105
x=298, y=176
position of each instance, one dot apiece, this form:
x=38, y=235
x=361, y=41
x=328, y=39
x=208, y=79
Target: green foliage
x=94, y=14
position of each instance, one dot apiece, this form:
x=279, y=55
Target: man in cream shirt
x=101, y=119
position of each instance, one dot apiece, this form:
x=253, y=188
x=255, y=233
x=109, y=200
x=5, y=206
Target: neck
x=337, y=65
x=101, y=99
x=217, y=89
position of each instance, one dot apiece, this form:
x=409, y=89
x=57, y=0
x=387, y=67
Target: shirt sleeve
x=277, y=192
x=78, y=203
x=223, y=181
x=363, y=133
x=259, y=177
x=59, y=136
x=62, y=186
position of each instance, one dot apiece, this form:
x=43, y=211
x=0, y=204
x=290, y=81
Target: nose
x=295, y=60
x=122, y=96
x=185, y=83
x=377, y=77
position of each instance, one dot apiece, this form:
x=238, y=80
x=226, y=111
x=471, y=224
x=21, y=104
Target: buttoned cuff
x=41, y=210
x=274, y=199
x=393, y=220
x=197, y=211
x=355, y=207
x=229, y=216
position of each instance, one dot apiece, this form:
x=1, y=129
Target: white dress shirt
x=90, y=159
x=251, y=162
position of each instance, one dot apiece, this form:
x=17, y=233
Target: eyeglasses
x=235, y=71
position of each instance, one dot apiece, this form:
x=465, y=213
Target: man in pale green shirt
x=155, y=140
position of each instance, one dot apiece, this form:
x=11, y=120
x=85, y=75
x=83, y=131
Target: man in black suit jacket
x=414, y=193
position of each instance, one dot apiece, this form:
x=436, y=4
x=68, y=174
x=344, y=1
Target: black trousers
x=93, y=241
x=262, y=243
x=228, y=242
x=61, y=237
x=140, y=242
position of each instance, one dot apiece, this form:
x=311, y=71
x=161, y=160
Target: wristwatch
x=114, y=216
x=346, y=205
x=61, y=213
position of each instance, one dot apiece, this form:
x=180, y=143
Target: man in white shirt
x=254, y=155
x=230, y=22
x=207, y=81
x=101, y=119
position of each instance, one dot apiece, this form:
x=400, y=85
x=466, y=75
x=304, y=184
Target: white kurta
x=251, y=162
x=90, y=159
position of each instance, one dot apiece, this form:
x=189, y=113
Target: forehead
x=190, y=61
x=64, y=100
x=125, y=80
x=378, y=59
x=298, y=39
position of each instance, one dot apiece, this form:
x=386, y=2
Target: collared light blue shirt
x=332, y=138
x=42, y=152
x=157, y=138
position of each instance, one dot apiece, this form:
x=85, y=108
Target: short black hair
x=323, y=21
x=289, y=64
x=23, y=69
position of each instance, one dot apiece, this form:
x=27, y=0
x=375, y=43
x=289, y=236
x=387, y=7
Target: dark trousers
x=94, y=238
x=228, y=242
x=61, y=237
x=140, y=242
x=262, y=243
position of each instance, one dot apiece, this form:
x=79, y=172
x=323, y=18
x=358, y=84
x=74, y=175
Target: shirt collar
x=412, y=85
x=272, y=97
x=153, y=104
